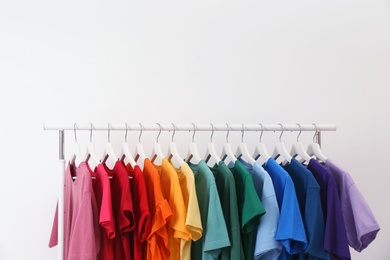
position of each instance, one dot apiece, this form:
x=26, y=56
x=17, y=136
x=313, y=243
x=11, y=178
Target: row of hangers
x=211, y=156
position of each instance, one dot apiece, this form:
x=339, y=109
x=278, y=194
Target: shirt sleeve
x=216, y=236
x=292, y=236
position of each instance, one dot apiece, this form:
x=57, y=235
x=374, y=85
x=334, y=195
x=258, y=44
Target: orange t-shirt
x=171, y=191
x=157, y=246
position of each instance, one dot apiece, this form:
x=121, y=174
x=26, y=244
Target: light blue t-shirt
x=291, y=231
x=266, y=246
x=215, y=235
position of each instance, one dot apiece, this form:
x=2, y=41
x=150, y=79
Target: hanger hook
x=227, y=134
x=140, y=133
x=109, y=133
x=315, y=133
x=90, y=133
x=262, y=131
x=280, y=136
x=300, y=131
x=212, y=132
x=193, y=135
x=127, y=127
x=243, y=130
x=75, y=135
x=158, y=132
x=174, y=131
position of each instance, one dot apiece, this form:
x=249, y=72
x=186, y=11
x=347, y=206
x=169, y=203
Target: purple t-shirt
x=359, y=220
x=335, y=239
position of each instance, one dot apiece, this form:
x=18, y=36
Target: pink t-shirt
x=81, y=216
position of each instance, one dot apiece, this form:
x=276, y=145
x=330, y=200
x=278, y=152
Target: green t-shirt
x=215, y=235
x=249, y=206
x=227, y=191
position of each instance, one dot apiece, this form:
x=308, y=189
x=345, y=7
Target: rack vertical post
x=61, y=193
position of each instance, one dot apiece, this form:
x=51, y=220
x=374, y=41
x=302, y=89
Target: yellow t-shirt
x=193, y=221
x=171, y=191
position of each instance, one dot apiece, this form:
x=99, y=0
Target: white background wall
x=187, y=61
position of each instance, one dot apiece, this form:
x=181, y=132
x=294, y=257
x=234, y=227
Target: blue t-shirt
x=309, y=200
x=335, y=239
x=291, y=231
x=266, y=246
x=215, y=235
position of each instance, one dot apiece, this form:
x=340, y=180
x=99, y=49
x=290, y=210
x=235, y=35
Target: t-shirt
x=335, y=239
x=170, y=188
x=309, y=200
x=227, y=191
x=266, y=246
x=81, y=216
x=122, y=207
x=142, y=216
x=360, y=222
x=291, y=231
x=249, y=207
x=102, y=190
x=193, y=222
x=157, y=246
x=215, y=235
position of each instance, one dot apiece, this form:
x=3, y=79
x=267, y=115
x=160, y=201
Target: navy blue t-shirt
x=309, y=200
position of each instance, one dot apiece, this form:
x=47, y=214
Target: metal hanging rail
x=190, y=127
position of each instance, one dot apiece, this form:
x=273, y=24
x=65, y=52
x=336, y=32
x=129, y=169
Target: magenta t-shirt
x=359, y=220
x=81, y=216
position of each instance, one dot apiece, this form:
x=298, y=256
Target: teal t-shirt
x=215, y=234
x=249, y=206
x=227, y=191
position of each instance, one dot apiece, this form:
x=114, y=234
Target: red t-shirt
x=122, y=207
x=102, y=190
x=142, y=216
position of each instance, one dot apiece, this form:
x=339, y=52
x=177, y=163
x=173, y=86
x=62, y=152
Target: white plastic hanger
x=297, y=149
x=281, y=150
x=315, y=149
x=193, y=153
x=242, y=150
x=227, y=151
x=90, y=154
x=109, y=150
x=126, y=152
x=139, y=155
x=76, y=158
x=157, y=152
x=260, y=149
x=173, y=154
x=211, y=152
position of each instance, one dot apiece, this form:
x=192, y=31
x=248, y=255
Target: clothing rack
x=61, y=128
